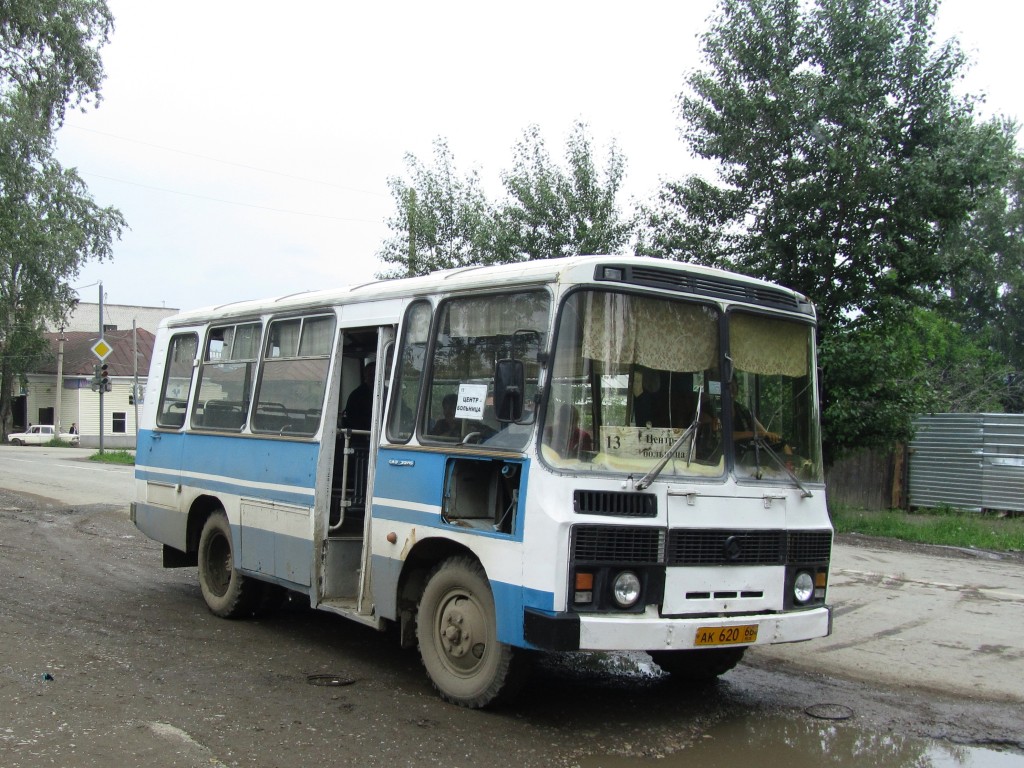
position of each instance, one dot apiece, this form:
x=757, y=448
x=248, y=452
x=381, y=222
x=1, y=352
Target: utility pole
x=60, y=384
x=101, y=387
x=135, y=375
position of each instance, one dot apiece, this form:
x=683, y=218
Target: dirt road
x=108, y=659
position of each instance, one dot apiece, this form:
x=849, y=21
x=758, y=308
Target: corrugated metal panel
x=1004, y=461
x=969, y=461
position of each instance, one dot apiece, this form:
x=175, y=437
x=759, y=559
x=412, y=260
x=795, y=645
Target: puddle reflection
x=809, y=743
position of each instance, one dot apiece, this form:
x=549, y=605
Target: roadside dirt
x=108, y=659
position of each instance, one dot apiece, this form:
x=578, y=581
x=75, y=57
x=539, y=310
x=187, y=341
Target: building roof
x=79, y=359
x=85, y=317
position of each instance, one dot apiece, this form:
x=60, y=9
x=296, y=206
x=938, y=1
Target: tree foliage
x=848, y=167
x=985, y=294
x=443, y=219
x=49, y=224
x=553, y=212
x=50, y=54
x=883, y=372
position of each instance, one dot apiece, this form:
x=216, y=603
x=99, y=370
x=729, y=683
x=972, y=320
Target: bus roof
x=581, y=269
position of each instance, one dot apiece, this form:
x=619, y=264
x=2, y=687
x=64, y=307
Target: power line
x=226, y=202
x=227, y=162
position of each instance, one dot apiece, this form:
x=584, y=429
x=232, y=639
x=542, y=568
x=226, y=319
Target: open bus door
x=349, y=452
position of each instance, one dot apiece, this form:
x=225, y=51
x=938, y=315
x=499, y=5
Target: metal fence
x=972, y=461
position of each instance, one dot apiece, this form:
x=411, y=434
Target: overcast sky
x=249, y=144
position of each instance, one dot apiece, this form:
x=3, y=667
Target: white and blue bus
x=595, y=453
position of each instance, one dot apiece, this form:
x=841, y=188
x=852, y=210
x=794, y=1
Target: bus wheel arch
x=418, y=564
x=200, y=509
x=457, y=634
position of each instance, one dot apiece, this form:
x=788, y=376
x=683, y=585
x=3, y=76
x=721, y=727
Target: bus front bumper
x=650, y=632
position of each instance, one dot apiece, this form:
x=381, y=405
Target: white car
x=40, y=434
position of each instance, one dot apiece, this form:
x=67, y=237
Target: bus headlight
x=803, y=587
x=626, y=589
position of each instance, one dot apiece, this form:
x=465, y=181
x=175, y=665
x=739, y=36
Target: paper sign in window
x=472, y=398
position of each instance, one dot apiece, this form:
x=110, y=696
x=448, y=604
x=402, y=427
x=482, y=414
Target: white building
x=59, y=390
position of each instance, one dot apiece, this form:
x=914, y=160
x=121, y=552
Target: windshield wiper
x=690, y=431
x=760, y=442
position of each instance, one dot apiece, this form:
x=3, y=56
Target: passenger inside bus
x=447, y=425
x=648, y=405
x=359, y=406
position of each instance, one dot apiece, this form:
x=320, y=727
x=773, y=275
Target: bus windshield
x=772, y=393
x=637, y=387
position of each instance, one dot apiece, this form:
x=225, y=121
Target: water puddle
x=806, y=742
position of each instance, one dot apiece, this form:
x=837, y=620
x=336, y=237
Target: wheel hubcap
x=461, y=630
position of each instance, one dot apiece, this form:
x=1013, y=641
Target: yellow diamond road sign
x=101, y=349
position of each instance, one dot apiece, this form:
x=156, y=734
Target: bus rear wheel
x=698, y=666
x=227, y=592
x=458, y=637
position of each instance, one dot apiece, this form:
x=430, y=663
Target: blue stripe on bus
x=418, y=477
x=225, y=486
x=236, y=462
x=510, y=602
x=414, y=476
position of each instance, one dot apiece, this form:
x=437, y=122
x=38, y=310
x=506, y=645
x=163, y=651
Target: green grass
x=944, y=526
x=114, y=457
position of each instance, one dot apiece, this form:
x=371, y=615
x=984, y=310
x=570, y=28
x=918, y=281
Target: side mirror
x=509, y=383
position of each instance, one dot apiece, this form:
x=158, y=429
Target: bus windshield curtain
x=654, y=333
x=768, y=346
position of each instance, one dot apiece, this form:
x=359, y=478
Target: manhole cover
x=329, y=681
x=829, y=711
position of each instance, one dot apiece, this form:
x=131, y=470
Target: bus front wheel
x=458, y=636
x=228, y=593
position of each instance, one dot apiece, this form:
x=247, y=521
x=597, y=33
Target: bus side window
x=409, y=376
x=293, y=380
x=177, y=384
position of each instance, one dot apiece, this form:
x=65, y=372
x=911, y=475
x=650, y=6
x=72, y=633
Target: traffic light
x=104, y=378
x=94, y=383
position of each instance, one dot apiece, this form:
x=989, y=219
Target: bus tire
x=699, y=665
x=458, y=637
x=227, y=592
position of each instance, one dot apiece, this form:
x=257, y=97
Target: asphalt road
x=65, y=475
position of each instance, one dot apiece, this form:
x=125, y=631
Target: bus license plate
x=745, y=633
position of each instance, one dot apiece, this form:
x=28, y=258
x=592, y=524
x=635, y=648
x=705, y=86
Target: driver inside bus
x=744, y=425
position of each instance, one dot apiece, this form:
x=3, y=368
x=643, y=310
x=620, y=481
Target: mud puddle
x=809, y=742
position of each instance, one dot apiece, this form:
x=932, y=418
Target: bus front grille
x=725, y=547
x=617, y=544
x=809, y=547
x=615, y=503
x=693, y=547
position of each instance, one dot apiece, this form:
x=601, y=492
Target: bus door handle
x=770, y=497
